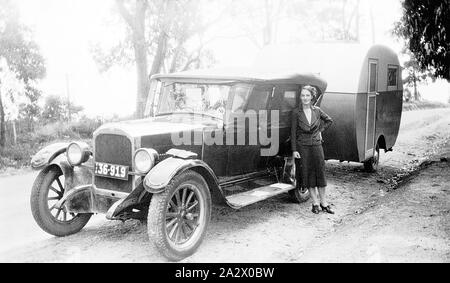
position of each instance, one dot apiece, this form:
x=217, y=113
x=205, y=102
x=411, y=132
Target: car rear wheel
x=47, y=190
x=178, y=217
x=300, y=195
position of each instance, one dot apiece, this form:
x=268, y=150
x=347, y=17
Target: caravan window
x=392, y=75
x=373, y=77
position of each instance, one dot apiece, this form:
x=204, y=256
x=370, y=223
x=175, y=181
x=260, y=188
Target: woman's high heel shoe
x=315, y=209
x=327, y=209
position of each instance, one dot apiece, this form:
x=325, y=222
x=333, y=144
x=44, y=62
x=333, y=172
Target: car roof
x=244, y=75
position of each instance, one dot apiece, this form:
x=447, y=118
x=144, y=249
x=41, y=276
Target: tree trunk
x=140, y=52
x=416, y=94
x=2, y=124
x=136, y=22
x=161, y=49
x=14, y=132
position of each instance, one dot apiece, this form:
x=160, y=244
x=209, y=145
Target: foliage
x=28, y=143
x=424, y=26
x=21, y=57
x=56, y=109
x=12, y=89
x=157, y=37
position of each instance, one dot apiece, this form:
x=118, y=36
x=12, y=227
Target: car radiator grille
x=113, y=149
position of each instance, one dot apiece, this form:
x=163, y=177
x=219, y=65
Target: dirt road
x=400, y=213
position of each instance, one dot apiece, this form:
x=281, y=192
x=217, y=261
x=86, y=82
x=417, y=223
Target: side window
x=289, y=101
x=392, y=76
x=239, y=98
x=259, y=98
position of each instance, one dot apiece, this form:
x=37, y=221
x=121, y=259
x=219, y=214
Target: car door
x=244, y=154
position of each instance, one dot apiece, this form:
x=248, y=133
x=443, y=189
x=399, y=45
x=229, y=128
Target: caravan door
x=371, y=108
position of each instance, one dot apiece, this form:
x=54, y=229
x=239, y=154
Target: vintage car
x=140, y=169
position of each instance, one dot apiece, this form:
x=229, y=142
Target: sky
x=67, y=29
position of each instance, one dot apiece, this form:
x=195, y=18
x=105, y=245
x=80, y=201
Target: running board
x=256, y=195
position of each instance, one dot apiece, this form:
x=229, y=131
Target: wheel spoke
x=56, y=191
x=192, y=224
x=64, y=216
x=183, y=197
x=189, y=198
x=60, y=184
x=52, y=207
x=173, y=221
x=58, y=213
x=174, y=228
x=177, y=233
x=183, y=231
x=172, y=204
x=192, y=206
x=54, y=198
x=177, y=196
x=171, y=215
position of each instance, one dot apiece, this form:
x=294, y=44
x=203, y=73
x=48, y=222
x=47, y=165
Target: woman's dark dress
x=307, y=140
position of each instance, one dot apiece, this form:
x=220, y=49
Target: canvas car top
x=244, y=75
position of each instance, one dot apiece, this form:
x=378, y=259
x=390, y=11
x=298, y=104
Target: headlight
x=77, y=153
x=145, y=159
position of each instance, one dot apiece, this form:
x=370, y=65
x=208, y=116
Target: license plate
x=111, y=171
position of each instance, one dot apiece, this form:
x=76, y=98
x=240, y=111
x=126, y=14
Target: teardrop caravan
x=364, y=94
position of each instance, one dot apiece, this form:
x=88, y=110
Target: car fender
x=48, y=154
x=159, y=177
x=53, y=156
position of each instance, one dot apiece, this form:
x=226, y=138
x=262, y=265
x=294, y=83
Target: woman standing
x=308, y=123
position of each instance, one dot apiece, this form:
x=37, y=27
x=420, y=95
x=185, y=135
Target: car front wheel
x=178, y=217
x=47, y=190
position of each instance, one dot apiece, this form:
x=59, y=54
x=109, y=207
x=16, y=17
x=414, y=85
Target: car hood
x=151, y=126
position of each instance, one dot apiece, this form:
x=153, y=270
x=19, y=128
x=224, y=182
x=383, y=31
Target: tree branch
x=127, y=16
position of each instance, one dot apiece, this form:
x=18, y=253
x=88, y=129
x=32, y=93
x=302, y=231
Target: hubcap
x=183, y=214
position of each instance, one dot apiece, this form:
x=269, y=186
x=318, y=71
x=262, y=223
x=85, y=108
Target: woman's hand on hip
x=296, y=154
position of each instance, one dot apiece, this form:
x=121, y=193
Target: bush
x=16, y=155
x=85, y=127
x=420, y=105
x=28, y=143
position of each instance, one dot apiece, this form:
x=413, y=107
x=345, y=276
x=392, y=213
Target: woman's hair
x=311, y=89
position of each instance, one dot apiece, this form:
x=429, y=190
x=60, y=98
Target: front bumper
x=89, y=199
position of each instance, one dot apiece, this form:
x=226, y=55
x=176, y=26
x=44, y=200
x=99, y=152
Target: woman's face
x=305, y=97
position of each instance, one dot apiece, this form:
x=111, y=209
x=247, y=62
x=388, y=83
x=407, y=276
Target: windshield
x=193, y=98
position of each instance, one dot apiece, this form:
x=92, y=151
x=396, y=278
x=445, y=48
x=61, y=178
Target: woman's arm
x=327, y=121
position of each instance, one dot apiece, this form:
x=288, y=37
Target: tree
x=158, y=32
x=313, y=20
x=415, y=75
x=57, y=109
x=424, y=26
x=260, y=20
x=21, y=54
x=11, y=91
